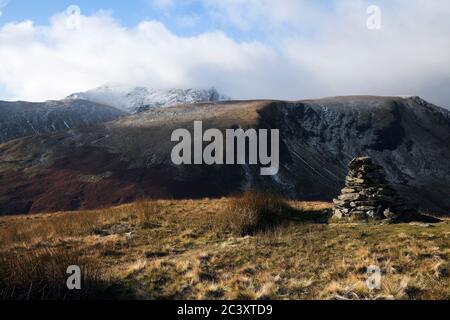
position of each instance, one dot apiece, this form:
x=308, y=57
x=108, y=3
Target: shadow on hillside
x=418, y=217
x=43, y=274
x=309, y=216
x=57, y=290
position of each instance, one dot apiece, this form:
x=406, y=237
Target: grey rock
x=349, y=196
x=367, y=193
x=337, y=213
x=389, y=214
x=366, y=208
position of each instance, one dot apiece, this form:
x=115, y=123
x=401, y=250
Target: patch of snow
x=137, y=99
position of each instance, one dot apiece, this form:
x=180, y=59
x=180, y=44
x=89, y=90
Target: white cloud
x=307, y=51
x=411, y=51
x=51, y=62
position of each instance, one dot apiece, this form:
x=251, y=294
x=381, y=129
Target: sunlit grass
x=171, y=249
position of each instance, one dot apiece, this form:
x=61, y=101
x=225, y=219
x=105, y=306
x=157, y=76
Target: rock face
x=368, y=195
x=20, y=119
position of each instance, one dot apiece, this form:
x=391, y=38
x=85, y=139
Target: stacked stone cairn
x=367, y=195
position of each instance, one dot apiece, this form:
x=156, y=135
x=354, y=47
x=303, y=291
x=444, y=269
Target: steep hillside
x=19, y=119
x=129, y=158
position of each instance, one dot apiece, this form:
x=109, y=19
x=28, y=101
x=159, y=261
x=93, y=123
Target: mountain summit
x=137, y=99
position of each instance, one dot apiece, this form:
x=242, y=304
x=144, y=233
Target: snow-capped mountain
x=137, y=99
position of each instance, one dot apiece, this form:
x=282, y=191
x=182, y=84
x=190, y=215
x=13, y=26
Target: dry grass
x=41, y=274
x=251, y=213
x=172, y=250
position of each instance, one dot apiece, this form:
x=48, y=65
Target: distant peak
x=138, y=98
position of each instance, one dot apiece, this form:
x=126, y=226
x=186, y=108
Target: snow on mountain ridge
x=138, y=99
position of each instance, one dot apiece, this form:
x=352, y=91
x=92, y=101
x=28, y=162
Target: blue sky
x=129, y=13
x=282, y=49
x=186, y=17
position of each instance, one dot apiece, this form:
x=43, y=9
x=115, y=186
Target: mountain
x=19, y=119
x=130, y=158
x=138, y=99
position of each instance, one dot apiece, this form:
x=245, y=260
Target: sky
x=247, y=49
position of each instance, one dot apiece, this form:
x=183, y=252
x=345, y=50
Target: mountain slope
x=138, y=99
x=19, y=119
x=129, y=158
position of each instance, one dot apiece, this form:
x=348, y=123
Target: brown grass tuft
x=148, y=213
x=252, y=212
x=41, y=274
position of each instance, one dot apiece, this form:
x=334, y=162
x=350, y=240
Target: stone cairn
x=367, y=194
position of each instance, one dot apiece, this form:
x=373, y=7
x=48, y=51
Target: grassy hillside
x=186, y=250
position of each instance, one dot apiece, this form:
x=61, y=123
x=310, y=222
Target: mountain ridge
x=129, y=158
x=135, y=99
x=22, y=118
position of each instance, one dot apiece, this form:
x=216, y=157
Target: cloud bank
x=291, y=50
